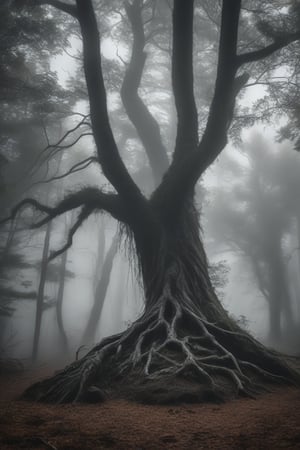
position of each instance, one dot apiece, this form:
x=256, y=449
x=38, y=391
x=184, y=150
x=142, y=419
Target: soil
x=272, y=421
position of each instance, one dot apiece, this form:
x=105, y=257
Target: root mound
x=170, y=355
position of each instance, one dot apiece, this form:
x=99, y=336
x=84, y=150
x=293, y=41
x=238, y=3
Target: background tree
x=101, y=285
x=258, y=224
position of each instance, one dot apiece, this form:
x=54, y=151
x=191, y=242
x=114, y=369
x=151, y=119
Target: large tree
x=184, y=346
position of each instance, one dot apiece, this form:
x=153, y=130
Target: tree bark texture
x=184, y=347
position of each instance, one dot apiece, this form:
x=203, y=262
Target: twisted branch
x=43, y=156
x=144, y=122
x=81, y=165
x=65, y=7
x=85, y=212
x=91, y=198
x=109, y=157
x=278, y=44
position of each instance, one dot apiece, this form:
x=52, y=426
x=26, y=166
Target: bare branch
x=58, y=148
x=41, y=158
x=209, y=15
x=262, y=53
x=81, y=165
x=45, y=132
x=145, y=124
x=227, y=87
x=109, y=157
x=26, y=202
x=182, y=178
x=65, y=7
x=120, y=57
x=85, y=212
x=160, y=47
x=76, y=57
x=88, y=197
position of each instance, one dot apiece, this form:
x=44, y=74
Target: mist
x=55, y=307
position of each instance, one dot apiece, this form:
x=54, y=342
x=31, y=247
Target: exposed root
x=168, y=351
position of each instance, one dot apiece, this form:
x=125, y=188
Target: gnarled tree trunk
x=184, y=347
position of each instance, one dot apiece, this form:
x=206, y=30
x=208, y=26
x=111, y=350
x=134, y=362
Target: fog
x=248, y=200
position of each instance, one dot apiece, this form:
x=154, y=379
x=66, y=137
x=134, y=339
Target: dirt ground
x=270, y=422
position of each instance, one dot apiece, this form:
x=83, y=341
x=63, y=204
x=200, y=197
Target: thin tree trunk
x=139, y=114
x=274, y=321
x=100, y=254
x=263, y=284
x=4, y=254
x=280, y=299
x=101, y=289
x=287, y=306
x=298, y=261
x=40, y=296
x=10, y=238
x=59, y=303
x=3, y=327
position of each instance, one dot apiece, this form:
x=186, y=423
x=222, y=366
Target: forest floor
x=272, y=421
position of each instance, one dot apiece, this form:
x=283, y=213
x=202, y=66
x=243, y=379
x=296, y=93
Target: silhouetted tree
x=101, y=286
x=258, y=220
x=184, y=346
x=28, y=94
